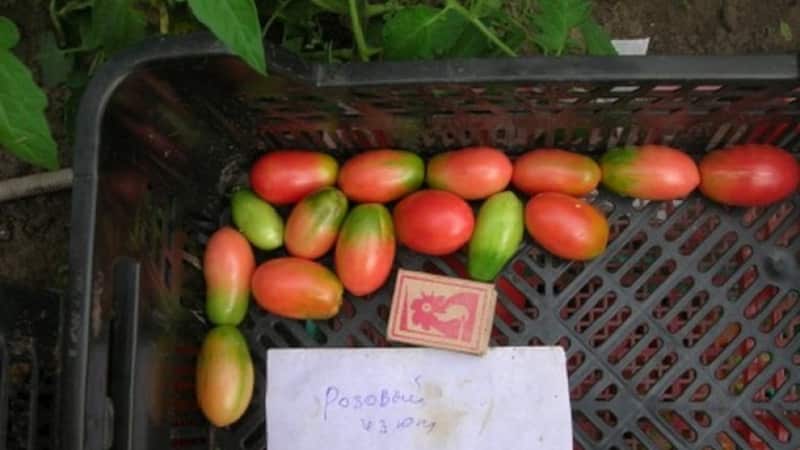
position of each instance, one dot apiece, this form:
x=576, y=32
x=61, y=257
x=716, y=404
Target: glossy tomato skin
x=381, y=176
x=257, y=220
x=749, y=175
x=365, y=249
x=471, y=173
x=433, y=222
x=498, y=233
x=567, y=227
x=224, y=376
x=286, y=176
x=297, y=288
x=555, y=170
x=228, y=264
x=314, y=223
x=650, y=172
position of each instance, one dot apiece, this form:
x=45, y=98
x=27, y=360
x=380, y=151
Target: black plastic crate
x=28, y=367
x=682, y=335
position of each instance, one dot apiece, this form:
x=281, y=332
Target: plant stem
x=358, y=32
x=455, y=5
x=163, y=19
x=274, y=16
x=56, y=23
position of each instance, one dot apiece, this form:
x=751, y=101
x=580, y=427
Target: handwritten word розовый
x=382, y=398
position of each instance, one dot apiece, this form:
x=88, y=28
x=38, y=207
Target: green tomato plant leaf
x=9, y=34
x=555, y=20
x=597, y=41
x=116, y=24
x=55, y=64
x=421, y=32
x=235, y=23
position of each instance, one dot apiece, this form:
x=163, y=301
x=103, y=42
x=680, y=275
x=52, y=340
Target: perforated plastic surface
x=684, y=334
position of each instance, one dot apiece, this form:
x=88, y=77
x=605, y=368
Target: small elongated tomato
x=471, y=173
x=498, y=233
x=257, y=220
x=224, y=376
x=365, y=249
x=314, y=223
x=749, y=175
x=433, y=222
x=565, y=226
x=381, y=176
x=286, y=176
x=555, y=170
x=228, y=264
x=650, y=172
x=297, y=288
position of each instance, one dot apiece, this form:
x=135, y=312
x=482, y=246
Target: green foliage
x=23, y=124
x=85, y=33
x=785, y=30
x=234, y=22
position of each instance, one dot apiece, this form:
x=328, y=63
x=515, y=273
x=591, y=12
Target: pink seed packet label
x=441, y=312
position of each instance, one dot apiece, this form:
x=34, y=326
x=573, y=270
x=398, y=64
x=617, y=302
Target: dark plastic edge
x=76, y=317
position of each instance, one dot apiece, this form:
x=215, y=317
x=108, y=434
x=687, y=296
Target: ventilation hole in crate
x=768, y=390
x=746, y=432
x=611, y=326
x=517, y=297
x=608, y=393
x=641, y=266
x=598, y=309
x=760, y=301
x=707, y=88
x=654, y=434
x=775, y=220
x=575, y=361
x=755, y=368
x=771, y=423
x=530, y=276
x=625, y=253
x=720, y=343
x=657, y=279
x=632, y=441
x=566, y=278
x=576, y=445
x=618, y=226
x=716, y=253
x=707, y=323
x=580, y=298
x=538, y=256
x=789, y=332
x=743, y=283
x=688, y=312
x=701, y=418
x=736, y=358
x=701, y=393
x=794, y=417
x=664, y=211
x=627, y=343
x=732, y=265
x=508, y=317
x=779, y=312
x=584, y=424
x=499, y=338
x=656, y=373
x=608, y=417
x=793, y=394
x=624, y=89
x=579, y=391
x=353, y=341
x=752, y=214
x=666, y=88
x=284, y=332
x=642, y=358
x=788, y=237
x=678, y=424
x=690, y=212
x=673, y=297
x=700, y=235
x=675, y=390
x=372, y=334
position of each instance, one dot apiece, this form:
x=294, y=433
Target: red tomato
x=566, y=226
x=228, y=263
x=381, y=176
x=749, y=175
x=650, y=172
x=433, y=222
x=471, y=173
x=555, y=170
x=286, y=176
x=365, y=249
x=297, y=288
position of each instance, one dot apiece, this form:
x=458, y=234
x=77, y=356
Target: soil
x=34, y=233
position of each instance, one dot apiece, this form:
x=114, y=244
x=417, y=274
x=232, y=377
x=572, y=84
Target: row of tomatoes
x=433, y=221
